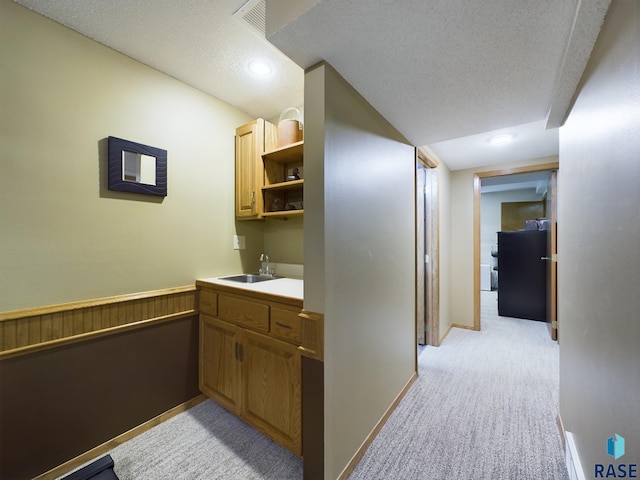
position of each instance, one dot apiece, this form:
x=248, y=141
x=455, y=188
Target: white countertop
x=283, y=287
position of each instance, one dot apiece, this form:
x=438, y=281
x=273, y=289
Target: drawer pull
x=283, y=325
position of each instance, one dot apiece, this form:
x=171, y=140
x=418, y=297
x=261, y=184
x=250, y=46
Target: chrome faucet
x=265, y=269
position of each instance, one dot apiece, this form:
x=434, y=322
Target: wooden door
x=427, y=251
x=552, y=215
x=421, y=252
x=272, y=388
x=219, y=372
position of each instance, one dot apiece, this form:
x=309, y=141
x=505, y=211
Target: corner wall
x=359, y=191
x=65, y=237
x=598, y=254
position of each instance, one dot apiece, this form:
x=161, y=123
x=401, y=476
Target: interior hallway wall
x=359, y=259
x=444, y=189
x=65, y=237
x=598, y=238
x=462, y=236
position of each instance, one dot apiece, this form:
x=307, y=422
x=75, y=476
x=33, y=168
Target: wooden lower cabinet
x=271, y=388
x=220, y=372
x=254, y=372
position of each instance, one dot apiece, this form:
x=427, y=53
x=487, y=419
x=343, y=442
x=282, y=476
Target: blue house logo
x=615, y=449
x=615, y=446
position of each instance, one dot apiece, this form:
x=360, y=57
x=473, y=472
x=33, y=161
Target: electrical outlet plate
x=239, y=242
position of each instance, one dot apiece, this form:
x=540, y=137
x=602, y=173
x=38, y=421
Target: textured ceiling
x=195, y=41
x=444, y=70
x=532, y=140
x=536, y=181
x=445, y=73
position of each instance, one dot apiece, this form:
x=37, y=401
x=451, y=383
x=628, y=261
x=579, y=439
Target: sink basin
x=248, y=278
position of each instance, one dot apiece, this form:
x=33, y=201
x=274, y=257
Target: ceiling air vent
x=252, y=14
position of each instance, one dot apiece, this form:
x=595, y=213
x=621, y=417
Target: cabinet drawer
x=285, y=324
x=208, y=302
x=244, y=312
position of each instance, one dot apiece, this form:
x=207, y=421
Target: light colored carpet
x=483, y=407
x=205, y=442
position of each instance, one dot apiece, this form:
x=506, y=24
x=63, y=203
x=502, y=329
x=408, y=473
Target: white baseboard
x=572, y=460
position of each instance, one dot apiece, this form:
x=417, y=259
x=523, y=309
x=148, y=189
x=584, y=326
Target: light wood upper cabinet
x=252, y=140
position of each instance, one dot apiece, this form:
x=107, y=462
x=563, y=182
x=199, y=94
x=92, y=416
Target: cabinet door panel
x=220, y=369
x=248, y=139
x=272, y=389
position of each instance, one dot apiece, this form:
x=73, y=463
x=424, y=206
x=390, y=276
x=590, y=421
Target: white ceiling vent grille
x=253, y=15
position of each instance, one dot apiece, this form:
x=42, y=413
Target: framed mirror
x=137, y=168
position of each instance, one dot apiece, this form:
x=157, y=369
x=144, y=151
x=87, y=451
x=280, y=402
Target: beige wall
x=598, y=239
x=444, y=189
x=64, y=235
x=363, y=235
x=461, y=197
x=284, y=240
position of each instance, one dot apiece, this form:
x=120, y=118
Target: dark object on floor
x=101, y=469
x=522, y=266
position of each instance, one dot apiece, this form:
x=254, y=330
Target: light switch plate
x=239, y=242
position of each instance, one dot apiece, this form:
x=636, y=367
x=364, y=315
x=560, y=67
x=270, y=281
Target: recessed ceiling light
x=260, y=68
x=502, y=138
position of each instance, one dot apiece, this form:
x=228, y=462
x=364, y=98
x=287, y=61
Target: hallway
x=483, y=407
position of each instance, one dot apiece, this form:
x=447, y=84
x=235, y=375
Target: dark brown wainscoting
x=313, y=418
x=58, y=402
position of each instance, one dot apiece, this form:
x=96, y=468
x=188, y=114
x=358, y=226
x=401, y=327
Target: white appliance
x=485, y=277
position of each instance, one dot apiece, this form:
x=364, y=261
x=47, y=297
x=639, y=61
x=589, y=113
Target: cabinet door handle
x=283, y=325
x=253, y=197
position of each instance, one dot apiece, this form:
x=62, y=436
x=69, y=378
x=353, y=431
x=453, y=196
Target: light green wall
x=284, y=240
x=65, y=236
x=598, y=247
x=461, y=197
x=364, y=236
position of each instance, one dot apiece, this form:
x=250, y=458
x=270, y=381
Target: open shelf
x=282, y=198
x=284, y=213
x=287, y=154
x=291, y=185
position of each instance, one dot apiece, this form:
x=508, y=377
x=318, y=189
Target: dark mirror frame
x=115, y=181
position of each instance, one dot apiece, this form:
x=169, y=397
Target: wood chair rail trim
x=30, y=330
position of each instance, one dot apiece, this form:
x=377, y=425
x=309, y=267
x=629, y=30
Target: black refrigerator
x=522, y=274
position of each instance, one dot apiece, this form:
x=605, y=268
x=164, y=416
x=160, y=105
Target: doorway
x=552, y=257
x=427, y=248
